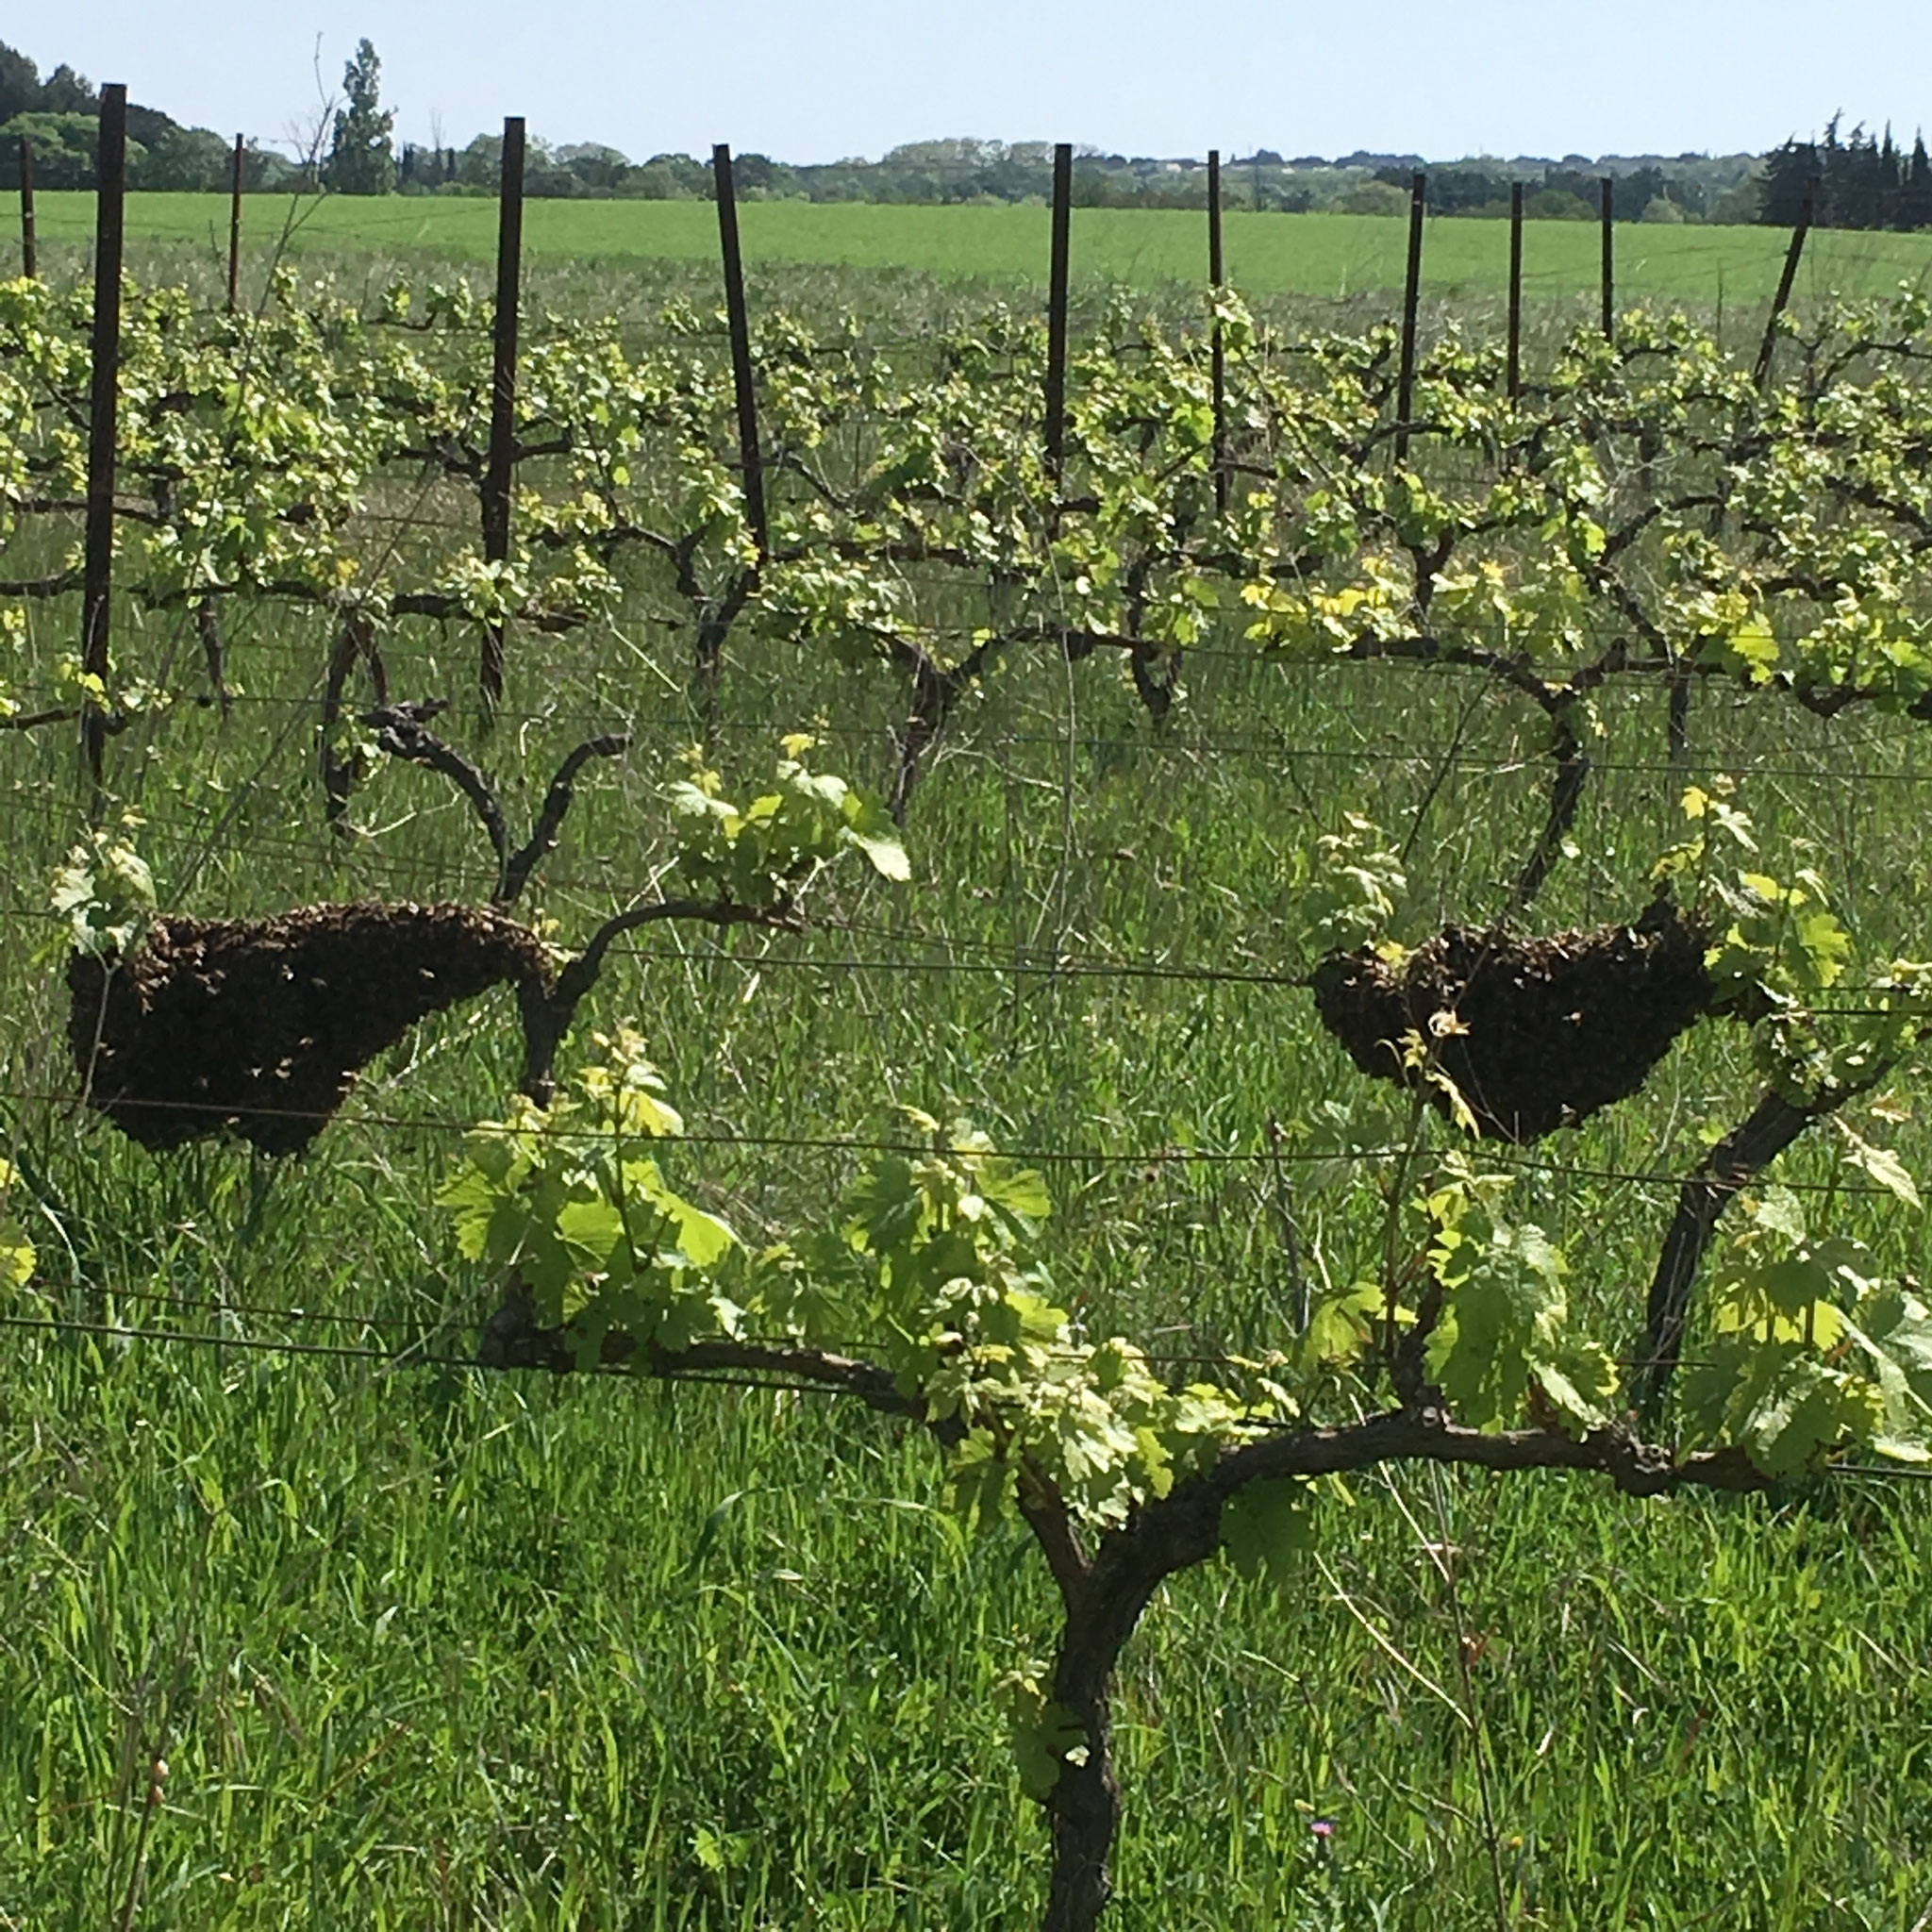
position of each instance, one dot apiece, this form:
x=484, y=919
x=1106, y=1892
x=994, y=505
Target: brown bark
x=1183, y=1529
x=1744, y=1153
x=403, y=731
x=548, y=1012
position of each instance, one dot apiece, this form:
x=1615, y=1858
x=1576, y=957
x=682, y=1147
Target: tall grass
x=1329, y=257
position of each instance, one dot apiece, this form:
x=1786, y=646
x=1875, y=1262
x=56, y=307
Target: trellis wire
x=772, y=1383
x=1145, y=1157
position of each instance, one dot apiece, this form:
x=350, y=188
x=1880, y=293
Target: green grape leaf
x=1882, y=1164
x=17, y=1255
x=1580, y=1385
x=979, y=1482
x=1020, y=1190
x=1265, y=1529
x=593, y=1231
x=1045, y=1734
x=701, y=1236
x=871, y=828
x=1498, y=1322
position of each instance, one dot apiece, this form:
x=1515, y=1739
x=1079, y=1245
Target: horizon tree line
x=1856, y=181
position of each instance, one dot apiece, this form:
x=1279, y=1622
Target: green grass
x=1330, y=257
x=435, y=1649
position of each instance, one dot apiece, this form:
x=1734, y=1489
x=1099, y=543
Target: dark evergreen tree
x=65, y=91
x=362, y=156
x=1859, y=192
x=1789, y=174
x=1830, y=211
x=20, y=83
x=149, y=126
x=1915, y=189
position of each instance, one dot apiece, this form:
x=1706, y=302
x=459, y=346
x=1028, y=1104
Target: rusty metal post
x=1217, y=276
x=1057, y=311
x=1515, y=289
x=1412, y=301
x=29, y=245
x=110, y=187
x=1786, y=282
x=235, y=228
x=750, y=461
x=1609, y=226
x=500, y=471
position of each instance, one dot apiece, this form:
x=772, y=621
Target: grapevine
x=1648, y=512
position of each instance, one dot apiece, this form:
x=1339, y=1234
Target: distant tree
x=759, y=174
x=1890, y=181
x=669, y=177
x=1855, y=187
x=546, y=178
x=1738, y=205
x=1789, y=172
x=1631, y=193
x=264, y=172
x=188, y=158
x=1100, y=188
x=20, y=83
x=362, y=156
x=480, y=165
x=1661, y=209
x=425, y=169
x=600, y=170
x=1860, y=182
x=1375, y=198
x=149, y=126
x=64, y=146
x=1451, y=191
x=1915, y=189
x=65, y=91
x=1558, y=205
x=1690, y=195
x=957, y=153
x=1830, y=210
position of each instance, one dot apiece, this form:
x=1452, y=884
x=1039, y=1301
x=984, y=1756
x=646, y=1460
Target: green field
x=1329, y=255
x=423, y=1647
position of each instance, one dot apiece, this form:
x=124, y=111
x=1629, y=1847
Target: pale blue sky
x=814, y=81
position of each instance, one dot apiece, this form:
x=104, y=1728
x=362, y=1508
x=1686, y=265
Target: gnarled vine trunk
x=1083, y=1810
x=1104, y=1596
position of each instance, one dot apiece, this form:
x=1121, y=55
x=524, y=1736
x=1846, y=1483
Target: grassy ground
x=1330, y=257
x=428, y=1648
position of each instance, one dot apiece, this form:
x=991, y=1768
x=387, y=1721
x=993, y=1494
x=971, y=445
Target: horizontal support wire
x=1021, y=965
x=1471, y=763
x=767, y=1384
x=187, y=1305
x=847, y=1345
x=1039, y=1157
x=198, y=1305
